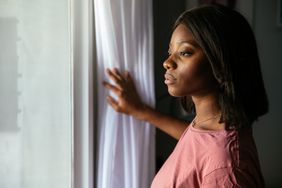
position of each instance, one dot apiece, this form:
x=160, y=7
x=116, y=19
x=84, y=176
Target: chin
x=175, y=93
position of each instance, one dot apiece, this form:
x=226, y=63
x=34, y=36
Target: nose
x=169, y=64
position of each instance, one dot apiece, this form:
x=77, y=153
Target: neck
x=207, y=113
x=206, y=106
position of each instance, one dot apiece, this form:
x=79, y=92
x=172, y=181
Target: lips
x=169, y=79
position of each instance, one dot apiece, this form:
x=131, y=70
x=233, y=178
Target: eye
x=185, y=53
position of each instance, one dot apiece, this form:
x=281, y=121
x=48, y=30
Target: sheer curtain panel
x=124, y=40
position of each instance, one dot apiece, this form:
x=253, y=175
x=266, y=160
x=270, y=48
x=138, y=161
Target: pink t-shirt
x=212, y=159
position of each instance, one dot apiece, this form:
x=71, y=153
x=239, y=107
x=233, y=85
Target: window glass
x=35, y=94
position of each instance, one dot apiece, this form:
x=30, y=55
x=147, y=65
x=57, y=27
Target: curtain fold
x=126, y=146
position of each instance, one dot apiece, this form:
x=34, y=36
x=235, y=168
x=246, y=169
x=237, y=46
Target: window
x=45, y=97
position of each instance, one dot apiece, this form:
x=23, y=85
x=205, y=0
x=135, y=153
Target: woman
x=213, y=66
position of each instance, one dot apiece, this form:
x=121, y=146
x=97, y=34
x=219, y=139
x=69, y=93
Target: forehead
x=182, y=34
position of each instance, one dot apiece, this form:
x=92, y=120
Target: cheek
x=196, y=78
x=190, y=74
x=187, y=82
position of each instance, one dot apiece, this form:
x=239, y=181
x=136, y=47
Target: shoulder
x=216, y=145
x=222, y=154
x=215, y=149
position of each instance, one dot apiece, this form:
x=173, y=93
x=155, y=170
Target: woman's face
x=188, y=70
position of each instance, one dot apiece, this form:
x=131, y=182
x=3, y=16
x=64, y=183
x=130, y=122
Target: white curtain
x=126, y=147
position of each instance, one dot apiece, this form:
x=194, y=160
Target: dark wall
x=267, y=130
x=165, y=13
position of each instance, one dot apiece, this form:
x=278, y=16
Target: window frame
x=82, y=48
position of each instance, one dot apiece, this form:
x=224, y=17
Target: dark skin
x=188, y=73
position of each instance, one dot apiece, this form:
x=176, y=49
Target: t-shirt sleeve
x=220, y=178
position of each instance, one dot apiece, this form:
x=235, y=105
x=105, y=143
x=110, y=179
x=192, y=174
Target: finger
x=116, y=76
x=111, y=87
x=117, y=73
x=112, y=75
x=113, y=103
x=128, y=76
x=129, y=79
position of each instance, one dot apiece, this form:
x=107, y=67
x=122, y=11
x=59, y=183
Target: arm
x=168, y=124
x=130, y=103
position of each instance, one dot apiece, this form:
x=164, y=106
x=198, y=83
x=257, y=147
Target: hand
x=129, y=101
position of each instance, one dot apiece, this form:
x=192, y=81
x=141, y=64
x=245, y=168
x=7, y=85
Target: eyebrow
x=191, y=43
x=183, y=41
